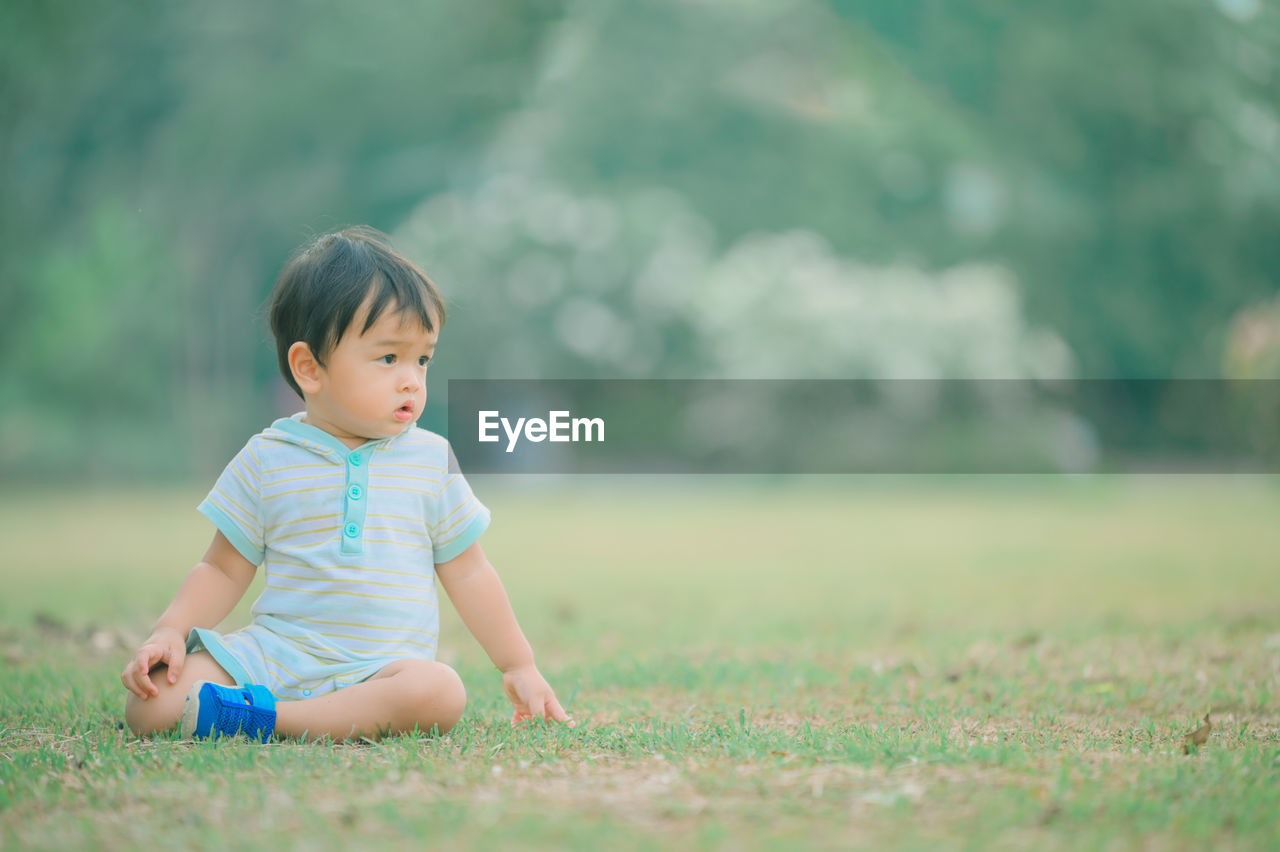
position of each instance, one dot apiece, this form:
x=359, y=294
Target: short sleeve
x=235, y=505
x=455, y=516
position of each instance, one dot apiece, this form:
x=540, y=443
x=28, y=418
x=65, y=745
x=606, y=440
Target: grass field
x=981, y=663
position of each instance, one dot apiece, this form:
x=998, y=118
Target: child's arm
x=482, y=602
x=209, y=593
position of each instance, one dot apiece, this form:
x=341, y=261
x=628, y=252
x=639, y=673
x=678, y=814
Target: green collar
x=316, y=439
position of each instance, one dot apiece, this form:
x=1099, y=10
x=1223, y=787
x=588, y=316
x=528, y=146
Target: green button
x=354, y=458
x=355, y=492
x=352, y=530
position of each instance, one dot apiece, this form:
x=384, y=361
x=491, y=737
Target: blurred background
x=982, y=189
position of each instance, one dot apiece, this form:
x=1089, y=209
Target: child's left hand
x=532, y=697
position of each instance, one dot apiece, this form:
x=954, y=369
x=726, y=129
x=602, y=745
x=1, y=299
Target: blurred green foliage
x=1112, y=171
x=160, y=161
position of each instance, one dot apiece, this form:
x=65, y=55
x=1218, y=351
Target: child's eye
x=388, y=359
x=422, y=362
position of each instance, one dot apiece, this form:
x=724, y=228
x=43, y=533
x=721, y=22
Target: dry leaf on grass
x=1198, y=737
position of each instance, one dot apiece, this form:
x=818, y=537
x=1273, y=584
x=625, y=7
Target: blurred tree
x=209, y=141
x=1252, y=359
x=159, y=161
x=1122, y=158
x=1138, y=146
x=547, y=283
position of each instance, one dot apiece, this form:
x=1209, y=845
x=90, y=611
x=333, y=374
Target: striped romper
x=349, y=540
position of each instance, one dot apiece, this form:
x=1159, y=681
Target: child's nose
x=410, y=381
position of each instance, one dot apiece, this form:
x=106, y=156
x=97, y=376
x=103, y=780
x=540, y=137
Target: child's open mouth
x=405, y=413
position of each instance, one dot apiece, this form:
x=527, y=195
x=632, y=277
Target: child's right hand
x=165, y=645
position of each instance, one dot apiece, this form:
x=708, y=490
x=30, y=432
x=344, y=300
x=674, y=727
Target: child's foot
x=214, y=710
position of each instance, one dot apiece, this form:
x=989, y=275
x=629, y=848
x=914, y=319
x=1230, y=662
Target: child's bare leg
x=161, y=712
x=404, y=695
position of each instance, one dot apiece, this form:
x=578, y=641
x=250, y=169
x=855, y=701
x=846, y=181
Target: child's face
x=374, y=384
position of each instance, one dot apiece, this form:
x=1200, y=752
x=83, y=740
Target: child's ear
x=305, y=368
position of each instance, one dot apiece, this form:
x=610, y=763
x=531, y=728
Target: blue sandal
x=214, y=711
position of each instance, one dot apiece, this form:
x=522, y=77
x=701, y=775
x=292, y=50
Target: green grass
x=1005, y=662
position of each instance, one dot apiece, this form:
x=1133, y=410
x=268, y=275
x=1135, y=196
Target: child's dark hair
x=322, y=287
